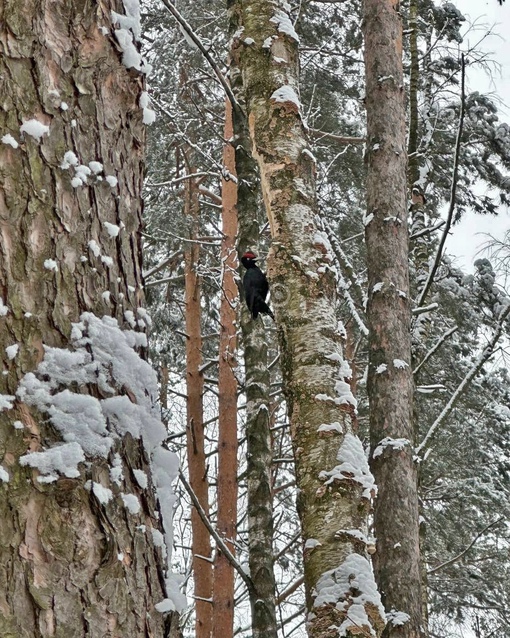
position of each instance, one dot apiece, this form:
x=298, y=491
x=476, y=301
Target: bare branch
x=464, y=551
x=219, y=541
x=200, y=45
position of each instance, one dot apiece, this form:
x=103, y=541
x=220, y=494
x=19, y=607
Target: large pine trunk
x=80, y=535
x=332, y=474
x=390, y=380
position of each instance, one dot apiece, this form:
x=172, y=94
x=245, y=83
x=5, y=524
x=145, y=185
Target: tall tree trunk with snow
x=195, y=436
x=332, y=474
x=390, y=382
x=80, y=541
x=226, y=521
x=257, y=388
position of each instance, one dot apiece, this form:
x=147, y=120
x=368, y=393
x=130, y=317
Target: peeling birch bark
x=303, y=290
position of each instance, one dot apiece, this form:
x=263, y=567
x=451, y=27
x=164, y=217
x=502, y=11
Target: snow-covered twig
x=346, y=265
x=435, y=348
x=166, y=280
x=177, y=180
x=484, y=356
x=219, y=541
x=423, y=309
x=453, y=191
x=343, y=139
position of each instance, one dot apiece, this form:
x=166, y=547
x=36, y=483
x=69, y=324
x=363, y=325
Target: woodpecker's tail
x=266, y=310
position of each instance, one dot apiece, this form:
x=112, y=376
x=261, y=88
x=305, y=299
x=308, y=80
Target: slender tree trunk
x=78, y=512
x=390, y=383
x=333, y=501
x=201, y=542
x=257, y=386
x=223, y=593
x=412, y=148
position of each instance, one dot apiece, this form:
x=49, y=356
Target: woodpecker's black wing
x=256, y=288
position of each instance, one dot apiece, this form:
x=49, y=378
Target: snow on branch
x=485, y=355
x=453, y=190
x=435, y=348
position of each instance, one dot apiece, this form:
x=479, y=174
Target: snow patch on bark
x=397, y=618
x=286, y=94
x=284, y=25
x=35, y=129
x=103, y=356
x=352, y=590
x=4, y=474
x=353, y=466
x=388, y=442
x=9, y=139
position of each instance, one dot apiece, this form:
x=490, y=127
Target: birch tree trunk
x=390, y=382
x=80, y=521
x=334, y=492
x=201, y=542
x=223, y=593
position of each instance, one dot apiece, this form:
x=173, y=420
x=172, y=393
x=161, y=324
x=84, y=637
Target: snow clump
x=35, y=129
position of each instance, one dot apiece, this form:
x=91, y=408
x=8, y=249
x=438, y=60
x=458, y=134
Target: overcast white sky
x=467, y=236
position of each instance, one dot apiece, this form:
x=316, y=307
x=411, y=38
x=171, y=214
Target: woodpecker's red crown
x=250, y=255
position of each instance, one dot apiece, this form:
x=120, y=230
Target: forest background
x=341, y=471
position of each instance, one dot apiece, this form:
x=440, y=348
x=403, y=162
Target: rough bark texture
x=303, y=290
x=390, y=383
x=257, y=386
x=201, y=542
x=223, y=593
x=69, y=565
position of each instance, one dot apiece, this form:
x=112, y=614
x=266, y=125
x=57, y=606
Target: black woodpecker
x=255, y=287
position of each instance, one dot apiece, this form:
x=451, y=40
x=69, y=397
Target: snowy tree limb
x=453, y=191
x=465, y=550
x=200, y=45
x=290, y=590
x=421, y=310
x=435, y=348
x=427, y=231
x=484, y=356
x=162, y=264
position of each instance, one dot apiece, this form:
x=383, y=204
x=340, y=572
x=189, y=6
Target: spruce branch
x=465, y=550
